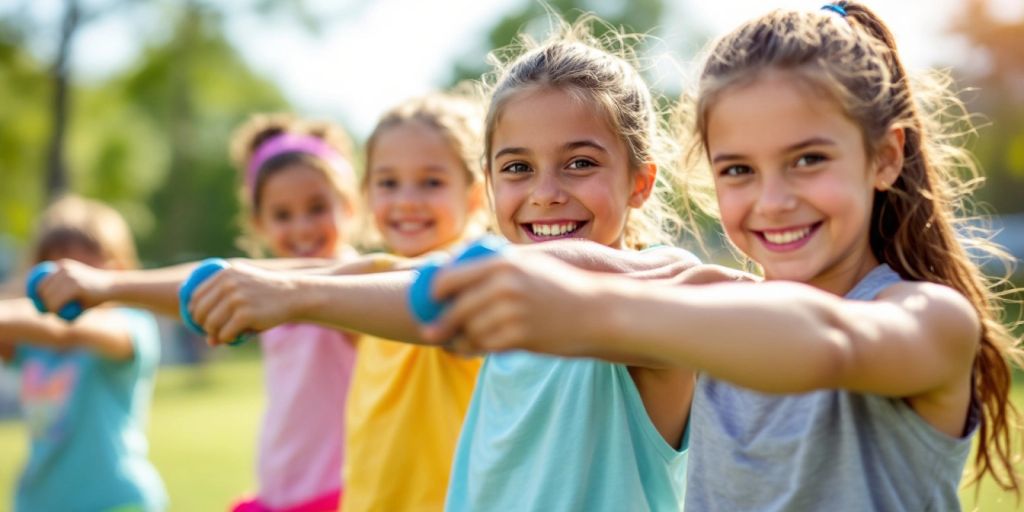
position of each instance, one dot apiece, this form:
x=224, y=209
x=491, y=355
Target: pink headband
x=293, y=143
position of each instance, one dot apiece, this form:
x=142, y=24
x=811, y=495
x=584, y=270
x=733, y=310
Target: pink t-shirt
x=301, y=448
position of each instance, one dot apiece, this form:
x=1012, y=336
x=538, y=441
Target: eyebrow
x=586, y=143
x=813, y=141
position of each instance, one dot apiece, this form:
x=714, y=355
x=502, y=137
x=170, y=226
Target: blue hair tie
x=836, y=8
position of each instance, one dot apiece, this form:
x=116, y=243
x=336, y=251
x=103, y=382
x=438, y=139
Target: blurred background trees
x=151, y=137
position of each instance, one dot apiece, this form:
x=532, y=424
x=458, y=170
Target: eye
x=281, y=215
x=433, y=183
x=515, y=168
x=386, y=183
x=736, y=170
x=582, y=163
x=318, y=208
x=809, y=160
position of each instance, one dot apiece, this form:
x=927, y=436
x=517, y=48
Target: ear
x=643, y=184
x=889, y=161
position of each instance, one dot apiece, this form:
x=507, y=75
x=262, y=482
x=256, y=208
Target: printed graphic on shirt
x=44, y=397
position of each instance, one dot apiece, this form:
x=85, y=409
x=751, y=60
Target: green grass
x=203, y=430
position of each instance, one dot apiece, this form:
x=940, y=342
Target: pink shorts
x=329, y=502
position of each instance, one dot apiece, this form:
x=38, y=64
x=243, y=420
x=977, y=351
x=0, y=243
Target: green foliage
x=152, y=140
x=638, y=16
x=1000, y=101
x=23, y=132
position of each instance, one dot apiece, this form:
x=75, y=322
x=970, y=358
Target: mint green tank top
x=548, y=433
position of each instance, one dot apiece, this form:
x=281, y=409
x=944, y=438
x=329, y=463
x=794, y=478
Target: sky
x=384, y=51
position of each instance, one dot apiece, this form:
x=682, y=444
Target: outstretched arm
x=96, y=330
x=771, y=336
x=659, y=263
x=245, y=298
x=153, y=289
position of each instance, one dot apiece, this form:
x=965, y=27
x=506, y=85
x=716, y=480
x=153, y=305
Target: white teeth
x=785, y=237
x=553, y=229
x=410, y=226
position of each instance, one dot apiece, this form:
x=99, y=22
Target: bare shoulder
x=946, y=314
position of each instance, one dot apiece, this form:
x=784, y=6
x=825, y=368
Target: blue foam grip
x=206, y=269
x=69, y=311
x=422, y=305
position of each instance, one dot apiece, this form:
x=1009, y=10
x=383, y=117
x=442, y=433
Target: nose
x=407, y=197
x=547, y=189
x=775, y=197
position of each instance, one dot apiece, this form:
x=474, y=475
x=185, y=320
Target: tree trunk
x=56, y=169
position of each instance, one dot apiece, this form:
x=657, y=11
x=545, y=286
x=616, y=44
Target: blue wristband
x=421, y=303
x=69, y=311
x=206, y=269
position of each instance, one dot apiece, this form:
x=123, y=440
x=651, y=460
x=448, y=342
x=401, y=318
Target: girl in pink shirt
x=299, y=196
x=300, y=191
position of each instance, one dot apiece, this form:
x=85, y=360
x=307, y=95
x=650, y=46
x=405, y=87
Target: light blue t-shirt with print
x=86, y=417
x=548, y=433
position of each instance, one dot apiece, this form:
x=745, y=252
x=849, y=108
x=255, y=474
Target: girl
x=86, y=386
x=571, y=150
x=300, y=189
x=424, y=191
x=860, y=382
x=299, y=193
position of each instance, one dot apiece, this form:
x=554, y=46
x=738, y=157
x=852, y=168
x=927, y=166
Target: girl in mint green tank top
x=572, y=152
x=855, y=375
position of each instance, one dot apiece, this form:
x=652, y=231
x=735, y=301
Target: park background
x=132, y=102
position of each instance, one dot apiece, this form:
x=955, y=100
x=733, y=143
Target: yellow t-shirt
x=405, y=410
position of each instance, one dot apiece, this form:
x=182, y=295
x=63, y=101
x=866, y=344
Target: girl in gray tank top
x=856, y=374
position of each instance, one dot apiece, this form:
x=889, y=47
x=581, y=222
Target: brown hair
x=76, y=221
x=919, y=226
x=604, y=73
x=261, y=127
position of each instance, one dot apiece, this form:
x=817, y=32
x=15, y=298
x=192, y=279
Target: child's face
x=418, y=190
x=301, y=215
x=794, y=182
x=558, y=171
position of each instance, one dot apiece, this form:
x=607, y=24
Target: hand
x=74, y=280
x=532, y=302
x=241, y=298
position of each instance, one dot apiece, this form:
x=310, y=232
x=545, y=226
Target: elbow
x=839, y=355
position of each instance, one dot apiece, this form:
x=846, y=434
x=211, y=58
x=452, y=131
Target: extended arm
x=96, y=330
x=788, y=337
x=245, y=298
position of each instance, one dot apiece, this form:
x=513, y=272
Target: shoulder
x=946, y=315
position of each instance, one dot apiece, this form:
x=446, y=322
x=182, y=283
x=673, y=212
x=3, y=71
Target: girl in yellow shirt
x=424, y=191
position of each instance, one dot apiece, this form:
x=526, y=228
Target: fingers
x=453, y=279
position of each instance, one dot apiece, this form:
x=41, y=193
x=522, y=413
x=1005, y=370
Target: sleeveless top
x=548, y=433
x=823, y=450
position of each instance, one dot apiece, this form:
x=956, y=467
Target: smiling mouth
x=788, y=238
x=552, y=230
x=411, y=226
x=306, y=250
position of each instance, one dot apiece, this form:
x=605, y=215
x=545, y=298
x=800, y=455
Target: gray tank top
x=825, y=450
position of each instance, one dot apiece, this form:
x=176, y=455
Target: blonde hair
x=261, y=127
x=73, y=220
x=919, y=226
x=457, y=115
x=602, y=71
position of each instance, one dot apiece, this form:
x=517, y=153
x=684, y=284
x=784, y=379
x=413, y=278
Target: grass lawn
x=203, y=433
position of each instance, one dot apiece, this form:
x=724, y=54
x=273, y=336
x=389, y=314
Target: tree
x=999, y=44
